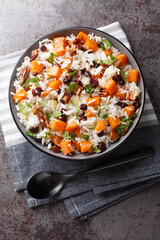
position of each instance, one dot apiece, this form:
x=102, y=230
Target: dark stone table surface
x=22, y=22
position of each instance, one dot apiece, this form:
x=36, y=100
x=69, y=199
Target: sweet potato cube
x=93, y=101
x=59, y=45
x=83, y=37
x=57, y=125
x=133, y=75
x=89, y=113
x=66, y=147
x=76, y=145
x=114, y=136
x=20, y=95
x=108, y=52
x=114, y=122
x=56, y=149
x=78, y=131
x=129, y=110
x=72, y=126
x=68, y=61
x=121, y=94
x=56, y=139
x=85, y=146
x=91, y=44
x=55, y=84
x=111, y=86
x=36, y=67
x=101, y=125
x=54, y=71
x=123, y=58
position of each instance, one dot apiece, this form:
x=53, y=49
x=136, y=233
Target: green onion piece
x=51, y=57
x=48, y=115
x=29, y=105
x=105, y=116
x=134, y=115
x=51, y=77
x=85, y=137
x=90, y=127
x=89, y=88
x=22, y=109
x=57, y=114
x=109, y=62
x=106, y=43
x=41, y=104
x=71, y=86
x=96, y=150
x=66, y=136
x=30, y=134
x=124, y=76
x=31, y=80
x=72, y=73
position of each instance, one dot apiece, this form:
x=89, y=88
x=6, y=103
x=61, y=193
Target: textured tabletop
x=21, y=23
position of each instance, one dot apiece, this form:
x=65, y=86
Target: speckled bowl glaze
x=65, y=32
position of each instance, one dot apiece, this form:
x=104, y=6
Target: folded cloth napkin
x=85, y=195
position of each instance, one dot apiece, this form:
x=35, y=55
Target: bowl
x=65, y=32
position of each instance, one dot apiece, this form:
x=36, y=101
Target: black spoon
x=47, y=184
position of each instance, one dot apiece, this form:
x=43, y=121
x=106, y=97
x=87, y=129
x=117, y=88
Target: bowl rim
x=68, y=157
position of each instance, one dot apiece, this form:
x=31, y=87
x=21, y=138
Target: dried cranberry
x=90, y=51
x=67, y=80
x=73, y=53
x=81, y=84
x=38, y=140
x=102, y=146
x=137, y=104
x=83, y=106
x=99, y=44
x=87, y=74
x=121, y=104
x=43, y=48
x=83, y=117
x=83, y=71
x=94, y=82
x=59, y=91
x=63, y=118
x=37, y=91
x=34, y=129
x=63, y=110
x=101, y=134
x=119, y=79
x=82, y=48
x=77, y=41
x=95, y=64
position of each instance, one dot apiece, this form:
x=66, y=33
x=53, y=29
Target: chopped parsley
x=96, y=150
x=51, y=57
x=72, y=73
x=105, y=116
x=89, y=88
x=28, y=133
x=125, y=123
x=85, y=137
x=90, y=127
x=99, y=111
x=47, y=133
x=31, y=80
x=66, y=136
x=41, y=104
x=57, y=114
x=77, y=108
x=73, y=135
x=22, y=108
x=106, y=44
x=72, y=86
x=29, y=105
x=109, y=62
x=48, y=115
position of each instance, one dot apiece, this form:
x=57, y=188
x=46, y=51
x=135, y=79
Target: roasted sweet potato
x=36, y=67
x=129, y=110
x=54, y=71
x=114, y=122
x=133, y=75
x=123, y=58
x=20, y=95
x=78, y=131
x=101, y=125
x=72, y=126
x=56, y=139
x=55, y=84
x=111, y=86
x=57, y=125
x=66, y=147
x=56, y=149
x=85, y=146
x=93, y=101
x=114, y=136
x=121, y=95
x=108, y=51
x=76, y=145
x=89, y=113
x=91, y=44
x=59, y=45
x=83, y=37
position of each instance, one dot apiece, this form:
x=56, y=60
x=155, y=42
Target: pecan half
x=66, y=98
x=34, y=52
x=23, y=76
x=56, y=149
x=114, y=136
x=103, y=92
x=79, y=91
x=40, y=116
x=117, y=63
x=33, y=57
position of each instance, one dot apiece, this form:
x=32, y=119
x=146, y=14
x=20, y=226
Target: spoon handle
x=139, y=154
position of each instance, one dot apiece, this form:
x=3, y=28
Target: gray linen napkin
x=25, y=160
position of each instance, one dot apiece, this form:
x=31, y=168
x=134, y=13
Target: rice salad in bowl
x=76, y=94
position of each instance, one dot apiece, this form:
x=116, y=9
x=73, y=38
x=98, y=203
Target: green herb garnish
x=41, y=104
x=99, y=110
x=89, y=88
x=73, y=135
x=48, y=115
x=109, y=62
x=96, y=150
x=47, y=133
x=71, y=86
x=66, y=136
x=51, y=77
x=31, y=80
x=77, y=108
x=105, y=116
x=22, y=108
x=124, y=76
x=57, y=114
x=51, y=57
x=90, y=127
x=106, y=43
x=125, y=123
x=85, y=137
x=29, y=105
x=30, y=134
x=72, y=73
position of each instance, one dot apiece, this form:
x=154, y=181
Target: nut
x=23, y=76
